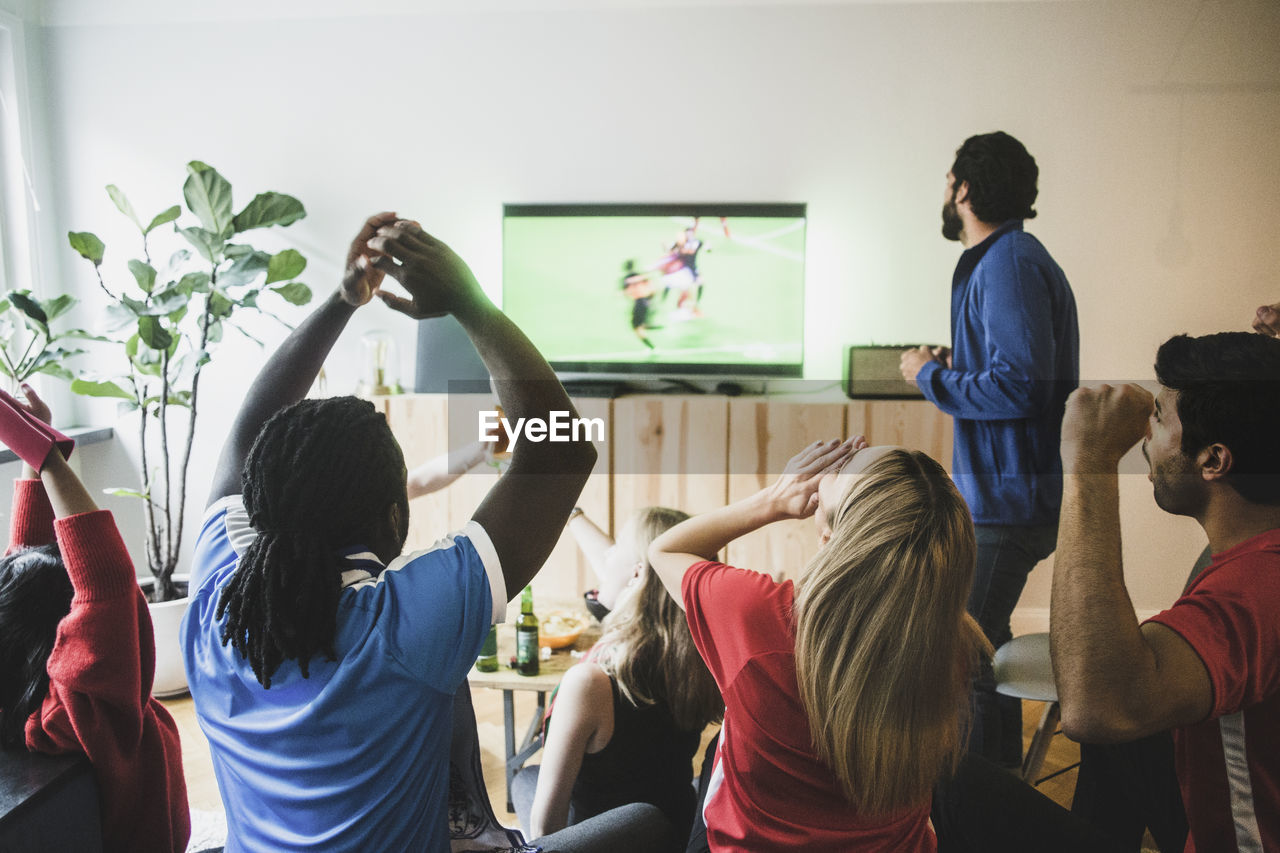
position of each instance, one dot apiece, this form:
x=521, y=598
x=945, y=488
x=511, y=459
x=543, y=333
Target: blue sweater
x=1015, y=359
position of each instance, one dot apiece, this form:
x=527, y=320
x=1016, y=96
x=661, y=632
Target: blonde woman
x=627, y=720
x=845, y=690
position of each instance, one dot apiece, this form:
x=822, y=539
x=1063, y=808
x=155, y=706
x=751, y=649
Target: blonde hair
x=646, y=644
x=884, y=647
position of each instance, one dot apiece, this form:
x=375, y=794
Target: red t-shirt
x=769, y=790
x=1229, y=765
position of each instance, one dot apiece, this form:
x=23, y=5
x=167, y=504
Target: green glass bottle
x=488, y=660
x=527, y=636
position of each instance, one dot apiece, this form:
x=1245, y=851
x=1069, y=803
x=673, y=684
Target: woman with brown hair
x=626, y=721
x=845, y=690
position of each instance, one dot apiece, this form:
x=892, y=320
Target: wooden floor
x=202, y=790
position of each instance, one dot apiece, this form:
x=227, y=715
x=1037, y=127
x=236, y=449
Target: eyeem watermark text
x=560, y=427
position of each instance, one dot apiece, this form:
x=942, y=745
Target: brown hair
x=646, y=643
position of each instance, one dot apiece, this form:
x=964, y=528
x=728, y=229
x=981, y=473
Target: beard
x=952, y=224
x=1173, y=485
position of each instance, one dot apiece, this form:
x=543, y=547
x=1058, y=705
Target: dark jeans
x=1127, y=788
x=985, y=809
x=1006, y=555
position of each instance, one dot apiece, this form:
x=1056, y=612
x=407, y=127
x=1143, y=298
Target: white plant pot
x=166, y=619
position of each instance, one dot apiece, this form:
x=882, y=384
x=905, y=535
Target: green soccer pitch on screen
x=653, y=289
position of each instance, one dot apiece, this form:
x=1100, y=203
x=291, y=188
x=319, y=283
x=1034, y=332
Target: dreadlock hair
x=1001, y=176
x=321, y=475
x=35, y=595
x=1228, y=388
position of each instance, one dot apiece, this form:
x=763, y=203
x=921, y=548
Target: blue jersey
x=356, y=756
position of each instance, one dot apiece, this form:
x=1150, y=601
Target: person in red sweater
x=77, y=656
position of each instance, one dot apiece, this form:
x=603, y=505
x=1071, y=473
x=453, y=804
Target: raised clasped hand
x=438, y=281
x=795, y=493
x=1101, y=424
x=360, y=277
x=1266, y=320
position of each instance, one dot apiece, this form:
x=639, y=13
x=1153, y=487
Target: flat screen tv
x=658, y=289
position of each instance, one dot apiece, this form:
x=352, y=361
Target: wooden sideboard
x=692, y=452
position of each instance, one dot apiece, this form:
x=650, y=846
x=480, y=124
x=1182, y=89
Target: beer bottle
x=488, y=660
x=527, y=636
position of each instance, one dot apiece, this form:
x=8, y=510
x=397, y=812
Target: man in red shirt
x=1209, y=666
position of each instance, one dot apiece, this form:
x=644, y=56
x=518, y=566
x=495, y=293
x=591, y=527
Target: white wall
x=1154, y=123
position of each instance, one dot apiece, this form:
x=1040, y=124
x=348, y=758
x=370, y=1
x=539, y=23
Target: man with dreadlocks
x=322, y=662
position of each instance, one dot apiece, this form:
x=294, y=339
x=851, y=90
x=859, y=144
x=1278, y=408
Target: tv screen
x=658, y=289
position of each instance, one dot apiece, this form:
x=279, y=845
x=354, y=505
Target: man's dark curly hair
x=1228, y=388
x=1001, y=176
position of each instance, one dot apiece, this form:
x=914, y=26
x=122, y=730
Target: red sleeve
x=734, y=615
x=32, y=521
x=1229, y=620
x=104, y=656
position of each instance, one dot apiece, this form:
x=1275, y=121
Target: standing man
x=1015, y=360
x=1209, y=666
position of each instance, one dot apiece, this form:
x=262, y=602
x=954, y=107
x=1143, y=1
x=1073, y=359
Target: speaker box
x=446, y=354
x=871, y=373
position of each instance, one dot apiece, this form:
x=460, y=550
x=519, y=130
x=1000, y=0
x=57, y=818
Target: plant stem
x=168, y=552
x=98, y=272
x=191, y=422
x=21, y=373
x=153, y=545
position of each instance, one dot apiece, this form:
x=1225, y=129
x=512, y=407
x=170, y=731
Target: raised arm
x=1117, y=680
x=439, y=471
x=793, y=495
x=526, y=510
x=292, y=368
x=66, y=494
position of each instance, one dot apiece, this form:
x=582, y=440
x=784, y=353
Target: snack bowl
x=559, y=629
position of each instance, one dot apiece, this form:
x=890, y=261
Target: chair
x=1023, y=670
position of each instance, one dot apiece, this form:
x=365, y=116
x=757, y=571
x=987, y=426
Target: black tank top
x=647, y=760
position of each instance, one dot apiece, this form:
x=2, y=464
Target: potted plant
x=165, y=322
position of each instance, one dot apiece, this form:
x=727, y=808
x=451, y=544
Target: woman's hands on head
x=795, y=493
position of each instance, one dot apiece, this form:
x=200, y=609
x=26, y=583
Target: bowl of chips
x=560, y=629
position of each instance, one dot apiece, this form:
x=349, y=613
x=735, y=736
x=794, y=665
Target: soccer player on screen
x=638, y=287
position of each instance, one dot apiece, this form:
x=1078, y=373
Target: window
x=17, y=200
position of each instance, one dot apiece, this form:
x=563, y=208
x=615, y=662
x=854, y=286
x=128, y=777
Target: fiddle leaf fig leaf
x=208, y=196
x=59, y=305
x=88, y=245
x=295, y=293
x=285, y=265
x=207, y=243
x=30, y=307
x=163, y=217
x=267, y=209
x=194, y=282
x=153, y=334
x=99, y=389
x=144, y=274
x=125, y=493
x=220, y=305
x=123, y=205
